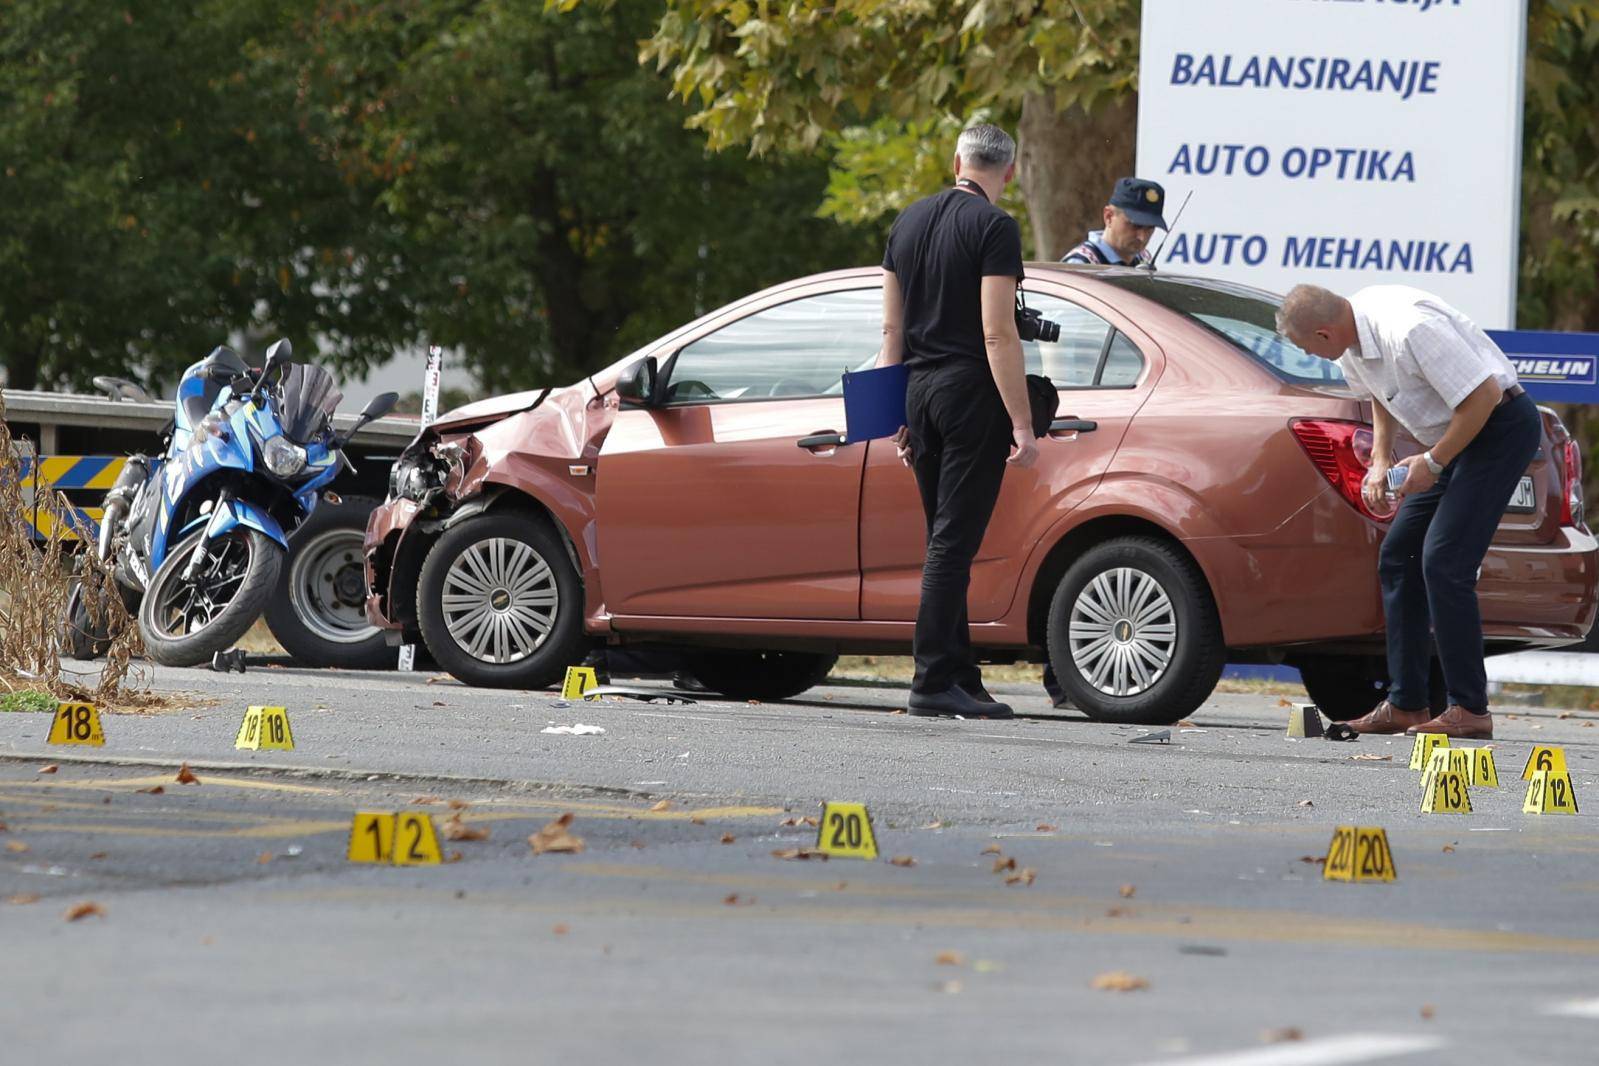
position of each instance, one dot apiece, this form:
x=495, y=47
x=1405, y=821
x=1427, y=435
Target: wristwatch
x=1436, y=467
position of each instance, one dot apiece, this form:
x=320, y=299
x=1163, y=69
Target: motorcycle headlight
x=283, y=458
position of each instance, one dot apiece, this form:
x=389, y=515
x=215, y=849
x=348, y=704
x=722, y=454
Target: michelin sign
x=1341, y=142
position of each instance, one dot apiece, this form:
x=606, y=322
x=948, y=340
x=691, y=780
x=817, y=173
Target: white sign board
x=1343, y=143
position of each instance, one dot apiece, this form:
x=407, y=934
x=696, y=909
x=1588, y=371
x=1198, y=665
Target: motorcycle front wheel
x=185, y=622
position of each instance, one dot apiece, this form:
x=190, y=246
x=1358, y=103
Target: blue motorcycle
x=198, y=535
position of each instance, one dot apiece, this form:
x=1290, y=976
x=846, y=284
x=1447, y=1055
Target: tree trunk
x=1068, y=162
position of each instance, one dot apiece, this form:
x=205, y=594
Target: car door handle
x=1072, y=425
x=826, y=439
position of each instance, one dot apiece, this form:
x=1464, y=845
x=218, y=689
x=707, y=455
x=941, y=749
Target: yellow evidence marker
x=1304, y=721
x=579, y=679
x=415, y=842
x=77, y=723
x=265, y=728
x=1544, y=757
x=845, y=831
x=1483, y=771
x=1445, y=792
x=1447, y=760
x=1550, y=793
x=1359, y=853
x=1421, y=750
x=371, y=837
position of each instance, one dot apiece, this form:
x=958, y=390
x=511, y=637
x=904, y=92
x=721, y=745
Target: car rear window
x=1245, y=316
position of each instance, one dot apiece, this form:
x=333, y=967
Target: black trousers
x=960, y=437
x=1429, y=561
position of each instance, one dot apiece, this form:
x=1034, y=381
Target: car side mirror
x=636, y=386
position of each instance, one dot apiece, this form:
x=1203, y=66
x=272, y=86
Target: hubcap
x=500, y=600
x=327, y=587
x=1123, y=632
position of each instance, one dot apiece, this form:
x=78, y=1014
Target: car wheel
x=1133, y=633
x=318, y=613
x=1345, y=687
x=500, y=603
x=760, y=675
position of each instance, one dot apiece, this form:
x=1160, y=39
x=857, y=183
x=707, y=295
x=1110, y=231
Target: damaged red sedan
x=1196, y=502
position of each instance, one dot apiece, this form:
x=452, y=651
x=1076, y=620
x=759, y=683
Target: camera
x=1031, y=325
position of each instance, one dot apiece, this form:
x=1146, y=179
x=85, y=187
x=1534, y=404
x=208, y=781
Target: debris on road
x=578, y=730
x=52, y=768
x=949, y=958
x=455, y=829
x=1119, y=981
x=22, y=899
x=83, y=910
x=153, y=790
x=801, y=854
x=554, y=837
x=1281, y=1036
x=1025, y=876
x=728, y=838
x=663, y=805
x=1044, y=827
x=1127, y=891
x=1161, y=737
x=186, y=776
x=16, y=847
x=902, y=860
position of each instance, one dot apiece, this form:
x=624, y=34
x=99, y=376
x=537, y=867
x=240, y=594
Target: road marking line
x=1340, y=1049
x=270, y=831
x=103, y=783
x=1578, y=1008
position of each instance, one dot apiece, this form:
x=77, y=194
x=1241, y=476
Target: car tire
x=1345, y=687
x=488, y=557
x=1152, y=668
x=760, y=675
x=318, y=612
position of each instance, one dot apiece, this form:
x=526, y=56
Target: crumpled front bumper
x=387, y=532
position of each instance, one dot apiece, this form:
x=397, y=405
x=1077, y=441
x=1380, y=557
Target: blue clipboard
x=874, y=402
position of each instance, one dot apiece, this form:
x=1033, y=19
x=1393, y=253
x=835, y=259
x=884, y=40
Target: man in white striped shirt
x=1428, y=369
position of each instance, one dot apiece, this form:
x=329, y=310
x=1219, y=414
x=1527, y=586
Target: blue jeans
x=1430, y=559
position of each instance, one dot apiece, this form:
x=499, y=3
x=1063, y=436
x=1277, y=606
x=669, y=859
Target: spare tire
x=318, y=610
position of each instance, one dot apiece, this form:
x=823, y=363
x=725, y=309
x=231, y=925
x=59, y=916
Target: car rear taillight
x=1571, y=501
x=1341, y=451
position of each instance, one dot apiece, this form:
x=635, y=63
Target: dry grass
x=35, y=582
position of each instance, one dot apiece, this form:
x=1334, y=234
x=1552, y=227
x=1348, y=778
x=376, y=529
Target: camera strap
x=971, y=186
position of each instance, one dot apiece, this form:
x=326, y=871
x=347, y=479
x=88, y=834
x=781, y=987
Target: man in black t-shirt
x=949, y=299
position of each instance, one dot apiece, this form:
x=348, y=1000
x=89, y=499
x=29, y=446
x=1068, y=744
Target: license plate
x=1523, y=502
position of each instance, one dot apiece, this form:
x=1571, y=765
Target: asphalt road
x=233, y=924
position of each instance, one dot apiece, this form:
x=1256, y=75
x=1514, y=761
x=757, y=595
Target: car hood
x=491, y=410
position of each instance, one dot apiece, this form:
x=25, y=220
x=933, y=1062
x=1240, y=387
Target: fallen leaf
x=16, y=846
x=23, y=899
x=1117, y=912
x=455, y=829
x=841, y=886
x=1127, y=891
x=438, y=679
x=1284, y=703
x=4, y=828
x=186, y=776
x=1369, y=757
x=639, y=844
x=728, y=838
x=1314, y=859
x=664, y=805
x=1044, y=827
x=440, y=703
x=554, y=837
x=423, y=801
x=696, y=820
x=1306, y=803
x=899, y=710
x=1281, y=1036
x=949, y=988
x=1119, y=981
x=1184, y=723
x=52, y=768
x=797, y=820
x=97, y=856
x=264, y=858
x=902, y=860
x=458, y=805
x=1449, y=849
x=949, y=958
x=1587, y=725
x=934, y=825
x=1564, y=714
x=993, y=849
x=154, y=790
x=801, y=854
x=1002, y=864
x=82, y=910
x=1024, y=876
x=454, y=856
x=731, y=900
x=1428, y=1011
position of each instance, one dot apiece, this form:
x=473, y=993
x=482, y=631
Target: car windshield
x=1245, y=316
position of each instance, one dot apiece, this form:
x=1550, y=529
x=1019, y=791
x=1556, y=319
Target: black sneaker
x=954, y=701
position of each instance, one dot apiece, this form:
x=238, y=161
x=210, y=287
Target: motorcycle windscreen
x=307, y=399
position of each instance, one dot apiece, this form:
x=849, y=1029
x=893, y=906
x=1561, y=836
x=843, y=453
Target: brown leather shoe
x=1459, y=723
x=1390, y=719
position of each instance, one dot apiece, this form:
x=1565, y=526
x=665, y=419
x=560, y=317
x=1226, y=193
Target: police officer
x=949, y=296
x=1427, y=368
x=1131, y=218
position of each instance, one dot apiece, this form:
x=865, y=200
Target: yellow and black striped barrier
x=83, y=479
